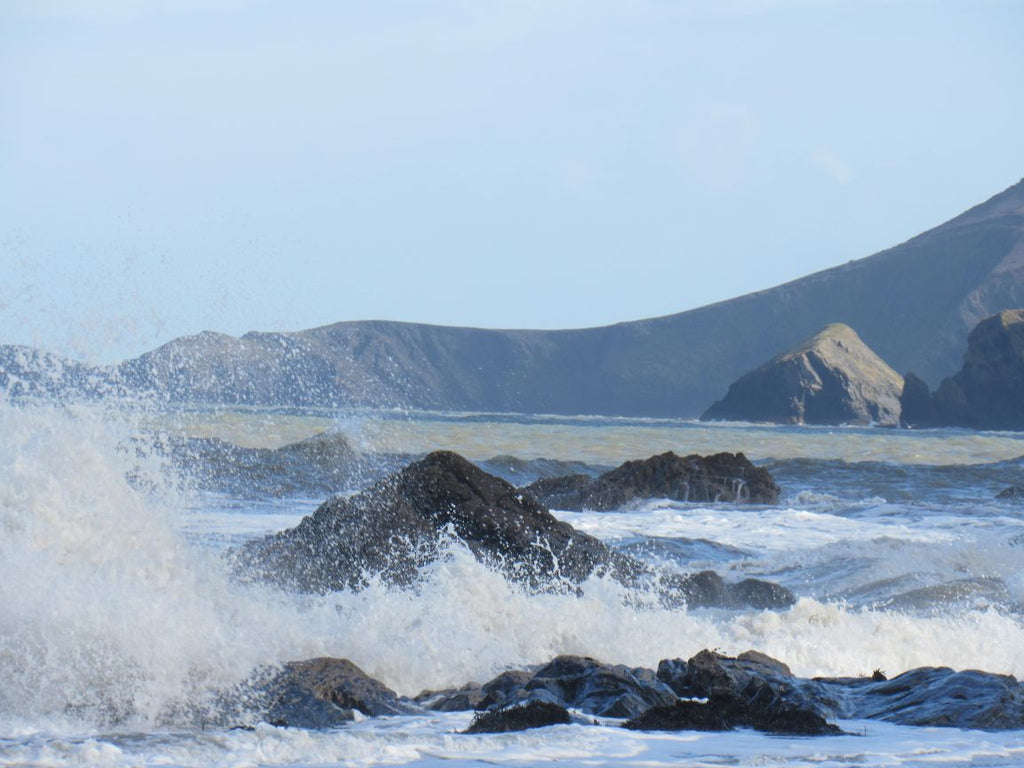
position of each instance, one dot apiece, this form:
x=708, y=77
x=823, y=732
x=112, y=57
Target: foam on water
x=431, y=742
x=108, y=614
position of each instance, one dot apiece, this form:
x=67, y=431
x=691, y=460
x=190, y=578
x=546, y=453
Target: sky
x=235, y=165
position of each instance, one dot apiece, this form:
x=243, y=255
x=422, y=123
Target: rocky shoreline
x=709, y=691
x=398, y=524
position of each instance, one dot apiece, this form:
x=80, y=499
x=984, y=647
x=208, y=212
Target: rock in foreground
x=710, y=691
x=725, y=477
x=325, y=692
x=399, y=524
x=532, y=714
x=831, y=378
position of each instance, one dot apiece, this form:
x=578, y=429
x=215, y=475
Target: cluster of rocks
x=710, y=691
x=401, y=523
x=722, y=477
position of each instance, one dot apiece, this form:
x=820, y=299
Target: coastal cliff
x=914, y=304
x=987, y=392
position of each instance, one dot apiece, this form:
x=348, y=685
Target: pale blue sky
x=170, y=167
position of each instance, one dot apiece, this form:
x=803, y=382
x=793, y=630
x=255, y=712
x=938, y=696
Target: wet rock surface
x=325, y=692
x=400, y=524
x=395, y=527
x=928, y=696
x=708, y=692
x=752, y=690
x=728, y=477
x=586, y=684
x=521, y=717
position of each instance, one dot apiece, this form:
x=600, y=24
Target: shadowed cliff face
x=987, y=392
x=832, y=378
x=913, y=304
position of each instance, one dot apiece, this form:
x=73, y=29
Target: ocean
x=121, y=626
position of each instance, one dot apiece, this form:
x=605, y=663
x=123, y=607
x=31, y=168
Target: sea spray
x=108, y=616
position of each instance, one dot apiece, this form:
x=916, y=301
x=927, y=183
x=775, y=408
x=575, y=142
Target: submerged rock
x=1013, y=493
x=987, y=392
x=831, y=378
x=398, y=525
x=322, y=464
x=728, y=477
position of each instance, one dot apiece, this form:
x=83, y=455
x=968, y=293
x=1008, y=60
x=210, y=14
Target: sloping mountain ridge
x=913, y=304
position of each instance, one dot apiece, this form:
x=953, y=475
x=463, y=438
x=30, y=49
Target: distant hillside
x=913, y=304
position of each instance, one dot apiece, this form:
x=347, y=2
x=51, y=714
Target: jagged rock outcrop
x=727, y=477
x=987, y=392
x=831, y=378
x=400, y=523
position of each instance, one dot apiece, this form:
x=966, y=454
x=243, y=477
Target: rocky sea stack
x=987, y=392
x=831, y=378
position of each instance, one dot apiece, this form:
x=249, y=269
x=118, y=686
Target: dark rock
x=928, y=696
x=831, y=378
x=710, y=691
x=916, y=406
x=600, y=689
x=393, y=528
x=707, y=589
x=682, y=715
x=397, y=525
x=721, y=713
x=582, y=683
x=324, y=692
x=463, y=699
x=504, y=688
x=1013, y=493
x=752, y=690
x=532, y=714
x=726, y=477
x=988, y=391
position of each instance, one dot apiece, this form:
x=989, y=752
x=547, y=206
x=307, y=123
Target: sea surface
x=121, y=628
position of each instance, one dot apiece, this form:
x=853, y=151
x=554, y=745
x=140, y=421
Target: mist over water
x=118, y=611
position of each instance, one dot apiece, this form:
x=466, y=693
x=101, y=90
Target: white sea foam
x=432, y=742
x=107, y=611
